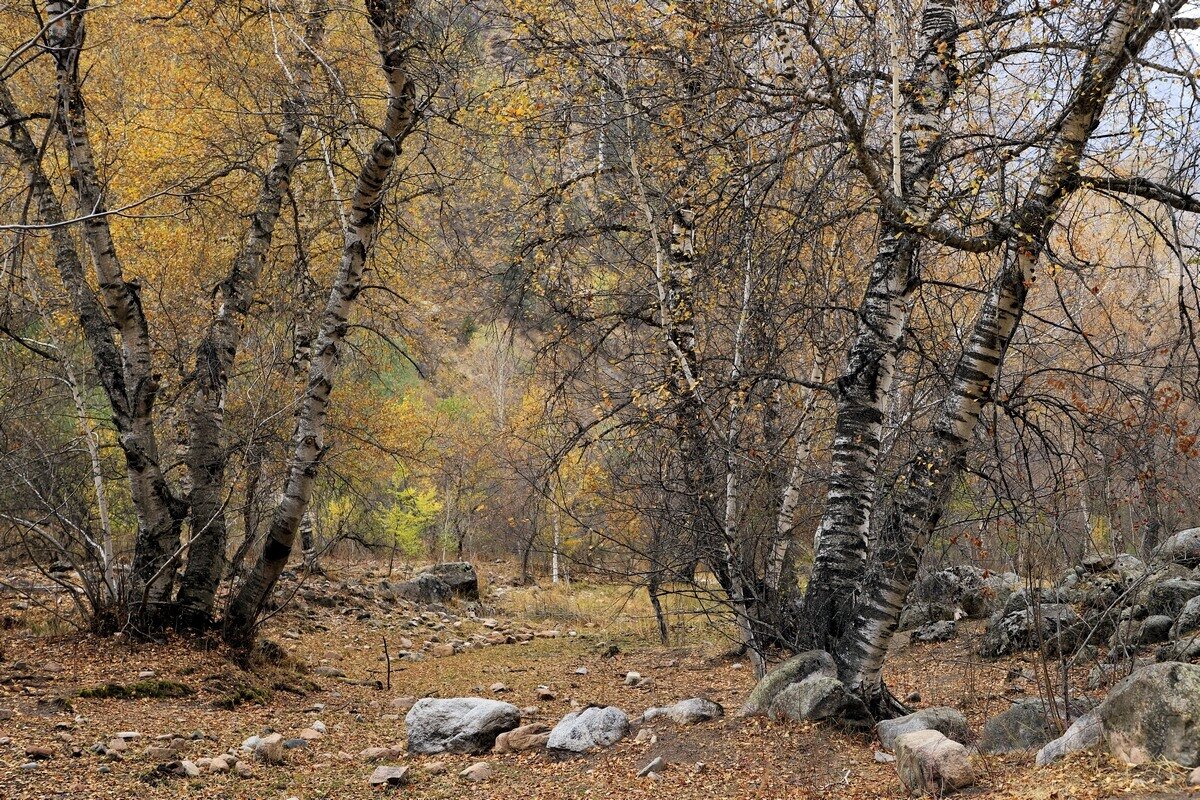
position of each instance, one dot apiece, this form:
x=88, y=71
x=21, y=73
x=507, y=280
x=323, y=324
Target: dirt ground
x=336, y=673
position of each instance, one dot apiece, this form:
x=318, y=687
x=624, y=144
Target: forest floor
x=336, y=674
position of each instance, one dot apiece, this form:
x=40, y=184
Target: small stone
x=189, y=769
x=479, y=771
x=389, y=776
x=435, y=768
x=117, y=746
x=219, y=765
x=295, y=744
x=884, y=758
x=498, y=688
x=29, y=766
x=645, y=736
x=632, y=678
x=441, y=650
x=373, y=754
x=545, y=694
x=146, y=674
x=270, y=749
x=319, y=727
x=402, y=704
x=160, y=753
x=310, y=734
x=243, y=769
x=581, y=671
x=655, y=766
x=39, y=753
x=737, y=665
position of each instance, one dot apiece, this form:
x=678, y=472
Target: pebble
x=632, y=678
x=653, y=768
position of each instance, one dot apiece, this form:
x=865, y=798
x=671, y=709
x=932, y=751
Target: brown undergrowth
x=45, y=683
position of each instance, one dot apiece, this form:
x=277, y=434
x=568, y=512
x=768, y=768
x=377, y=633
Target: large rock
x=424, y=589
x=794, y=670
x=460, y=576
x=1028, y=725
x=1183, y=548
x=687, y=712
x=1188, y=620
x=977, y=592
x=1084, y=734
x=929, y=763
x=922, y=613
x=1155, y=714
x=527, y=737
x=819, y=697
x=942, y=631
x=947, y=721
x=593, y=727
x=1061, y=628
x=458, y=725
x=1170, y=596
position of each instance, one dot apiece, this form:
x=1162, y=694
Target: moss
x=156, y=688
x=242, y=695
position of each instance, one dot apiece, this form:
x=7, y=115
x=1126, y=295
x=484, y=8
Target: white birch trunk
x=388, y=21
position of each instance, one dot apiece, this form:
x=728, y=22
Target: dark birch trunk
x=207, y=453
x=388, y=21
x=919, y=498
x=159, y=512
x=842, y=537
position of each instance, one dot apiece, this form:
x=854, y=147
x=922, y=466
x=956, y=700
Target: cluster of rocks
x=805, y=687
x=1154, y=714
x=1116, y=601
x=172, y=751
x=477, y=725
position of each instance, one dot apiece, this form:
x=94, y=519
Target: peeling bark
x=207, y=452
x=388, y=22
x=920, y=496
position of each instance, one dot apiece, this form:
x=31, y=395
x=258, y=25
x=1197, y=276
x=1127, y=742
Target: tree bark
x=388, y=21
x=843, y=534
x=920, y=496
x=207, y=452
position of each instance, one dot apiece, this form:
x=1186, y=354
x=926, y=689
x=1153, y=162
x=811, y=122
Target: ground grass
x=742, y=758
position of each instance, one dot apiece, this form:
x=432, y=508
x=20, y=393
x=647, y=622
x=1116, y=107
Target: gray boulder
x=1155, y=714
x=1060, y=627
x=1168, y=597
x=1183, y=548
x=819, y=697
x=424, y=589
x=1155, y=629
x=1084, y=734
x=458, y=725
x=687, y=712
x=581, y=731
x=460, y=576
x=976, y=591
x=1187, y=622
x=1028, y=725
x=794, y=670
x=947, y=721
x=942, y=631
x=921, y=613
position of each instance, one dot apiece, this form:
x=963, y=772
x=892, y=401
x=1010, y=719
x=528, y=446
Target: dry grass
x=743, y=758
